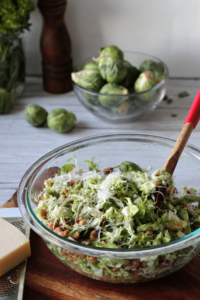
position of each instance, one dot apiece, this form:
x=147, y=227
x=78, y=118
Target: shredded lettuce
x=119, y=207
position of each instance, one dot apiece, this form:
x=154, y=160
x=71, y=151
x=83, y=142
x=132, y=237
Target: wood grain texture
x=12, y=202
x=55, y=47
x=48, y=278
x=180, y=144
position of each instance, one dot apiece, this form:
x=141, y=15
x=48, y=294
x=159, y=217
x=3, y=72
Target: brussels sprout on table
x=144, y=83
x=132, y=75
x=91, y=66
x=156, y=68
x=61, y=120
x=112, y=89
x=88, y=79
x=35, y=115
x=112, y=70
x=5, y=101
x=111, y=51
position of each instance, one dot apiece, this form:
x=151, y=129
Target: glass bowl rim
x=157, y=86
x=179, y=244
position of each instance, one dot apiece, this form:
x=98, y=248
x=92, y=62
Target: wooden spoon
x=190, y=123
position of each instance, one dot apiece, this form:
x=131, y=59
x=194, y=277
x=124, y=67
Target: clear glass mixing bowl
x=133, y=106
x=136, y=265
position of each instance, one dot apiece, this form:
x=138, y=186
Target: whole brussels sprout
x=128, y=166
x=61, y=120
x=91, y=66
x=5, y=101
x=112, y=70
x=35, y=115
x=156, y=68
x=132, y=75
x=92, y=99
x=88, y=79
x=91, y=80
x=112, y=89
x=125, y=108
x=111, y=51
x=145, y=82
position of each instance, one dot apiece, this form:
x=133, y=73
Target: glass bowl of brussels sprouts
x=93, y=203
x=120, y=86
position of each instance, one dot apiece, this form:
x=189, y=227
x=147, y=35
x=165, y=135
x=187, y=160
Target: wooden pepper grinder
x=55, y=47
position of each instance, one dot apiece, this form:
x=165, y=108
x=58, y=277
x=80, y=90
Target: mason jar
x=12, y=67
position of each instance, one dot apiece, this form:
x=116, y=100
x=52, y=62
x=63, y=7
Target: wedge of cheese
x=14, y=247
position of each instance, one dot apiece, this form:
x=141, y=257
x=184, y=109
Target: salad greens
x=117, y=207
x=14, y=14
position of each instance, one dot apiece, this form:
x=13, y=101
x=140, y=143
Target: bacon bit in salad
x=143, y=264
x=64, y=233
x=135, y=264
x=79, y=219
x=76, y=235
x=64, y=252
x=108, y=171
x=149, y=233
x=88, y=244
x=103, y=243
x=64, y=191
x=52, y=225
x=103, y=223
x=93, y=235
x=127, y=262
x=73, y=259
x=81, y=256
x=71, y=182
x=58, y=230
x=44, y=213
x=83, y=222
x=41, y=197
x=92, y=259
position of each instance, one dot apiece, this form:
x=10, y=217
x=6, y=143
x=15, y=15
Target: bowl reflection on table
x=133, y=106
x=135, y=265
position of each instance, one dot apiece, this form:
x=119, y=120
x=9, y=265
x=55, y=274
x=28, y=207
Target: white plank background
x=166, y=29
x=21, y=144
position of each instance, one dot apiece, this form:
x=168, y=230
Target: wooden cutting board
x=48, y=278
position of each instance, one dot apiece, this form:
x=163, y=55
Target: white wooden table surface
x=21, y=144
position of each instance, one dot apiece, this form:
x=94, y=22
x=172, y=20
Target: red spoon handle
x=190, y=123
x=193, y=116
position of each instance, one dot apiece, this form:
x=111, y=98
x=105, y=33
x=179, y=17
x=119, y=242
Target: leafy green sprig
x=14, y=15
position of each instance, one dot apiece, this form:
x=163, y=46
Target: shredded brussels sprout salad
x=116, y=208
